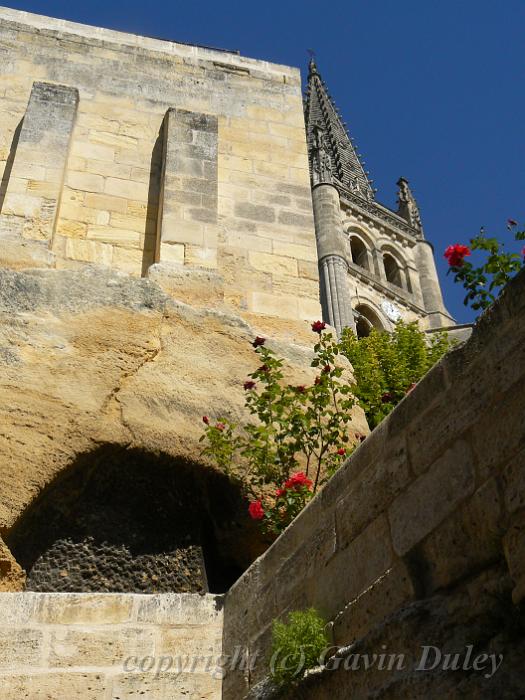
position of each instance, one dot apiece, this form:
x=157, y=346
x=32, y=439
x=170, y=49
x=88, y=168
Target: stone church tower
x=375, y=265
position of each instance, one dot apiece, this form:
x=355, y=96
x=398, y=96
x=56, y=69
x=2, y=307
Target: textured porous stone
x=92, y=358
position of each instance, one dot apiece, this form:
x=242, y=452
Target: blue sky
x=433, y=91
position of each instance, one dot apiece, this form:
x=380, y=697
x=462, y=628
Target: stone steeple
x=333, y=157
x=375, y=266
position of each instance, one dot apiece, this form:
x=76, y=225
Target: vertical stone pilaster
x=379, y=264
x=187, y=219
x=335, y=295
x=430, y=288
x=37, y=176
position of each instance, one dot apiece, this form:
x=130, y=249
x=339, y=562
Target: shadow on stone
x=123, y=520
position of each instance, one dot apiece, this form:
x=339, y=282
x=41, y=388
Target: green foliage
x=485, y=282
x=298, y=435
x=388, y=365
x=297, y=646
x=291, y=428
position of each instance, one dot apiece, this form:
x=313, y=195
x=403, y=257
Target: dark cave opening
x=126, y=520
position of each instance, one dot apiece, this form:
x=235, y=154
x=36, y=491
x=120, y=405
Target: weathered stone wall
x=83, y=170
x=93, y=357
x=89, y=647
x=425, y=522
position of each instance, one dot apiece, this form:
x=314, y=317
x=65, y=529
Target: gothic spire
x=332, y=155
x=407, y=206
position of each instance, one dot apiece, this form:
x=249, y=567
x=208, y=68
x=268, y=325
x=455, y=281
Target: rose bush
x=297, y=438
x=483, y=283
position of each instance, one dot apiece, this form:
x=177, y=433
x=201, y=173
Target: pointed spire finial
x=407, y=206
x=312, y=68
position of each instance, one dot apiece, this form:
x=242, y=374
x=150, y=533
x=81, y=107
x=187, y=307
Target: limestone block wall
x=239, y=198
x=110, y=646
x=432, y=500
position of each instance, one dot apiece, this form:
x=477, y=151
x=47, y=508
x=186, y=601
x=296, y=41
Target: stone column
x=430, y=288
x=331, y=250
x=37, y=175
x=335, y=295
x=187, y=218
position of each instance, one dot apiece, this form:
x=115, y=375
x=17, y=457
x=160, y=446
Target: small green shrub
x=297, y=645
x=388, y=365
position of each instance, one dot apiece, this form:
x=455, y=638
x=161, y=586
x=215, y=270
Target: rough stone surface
x=120, y=373
x=406, y=547
x=89, y=647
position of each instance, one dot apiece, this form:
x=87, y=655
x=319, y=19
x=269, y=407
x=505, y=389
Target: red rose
x=456, y=253
x=279, y=493
x=249, y=385
x=256, y=510
x=386, y=397
x=341, y=451
x=258, y=341
x=220, y=426
x=300, y=389
x=298, y=480
x=318, y=326
x=317, y=381
x=326, y=369
x=206, y=420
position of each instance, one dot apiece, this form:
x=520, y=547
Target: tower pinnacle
x=407, y=205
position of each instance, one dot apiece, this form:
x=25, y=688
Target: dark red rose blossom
x=512, y=222
x=298, y=480
x=456, y=254
x=341, y=451
x=280, y=492
x=263, y=368
x=258, y=341
x=220, y=426
x=206, y=420
x=249, y=385
x=300, y=389
x=256, y=510
x=318, y=326
x=318, y=381
x=326, y=369
x=386, y=397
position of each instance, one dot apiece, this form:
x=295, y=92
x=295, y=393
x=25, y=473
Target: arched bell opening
x=120, y=520
x=392, y=270
x=359, y=252
x=366, y=319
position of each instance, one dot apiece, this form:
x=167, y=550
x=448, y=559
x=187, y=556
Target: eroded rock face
x=91, y=357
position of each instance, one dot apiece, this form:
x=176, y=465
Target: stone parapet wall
x=435, y=495
x=109, y=646
x=237, y=203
